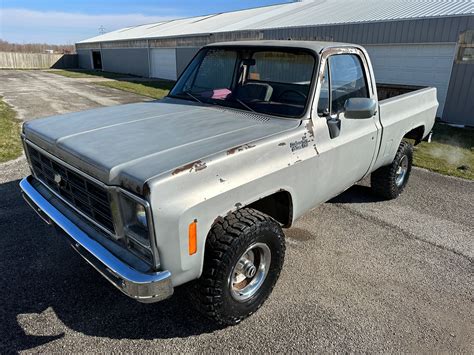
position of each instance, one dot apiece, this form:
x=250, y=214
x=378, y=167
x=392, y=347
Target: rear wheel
x=389, y=181
x=243, y=259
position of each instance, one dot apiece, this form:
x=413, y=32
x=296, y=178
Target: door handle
x=334, y=126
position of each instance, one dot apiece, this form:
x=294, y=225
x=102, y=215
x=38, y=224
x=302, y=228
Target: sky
x=69, y=21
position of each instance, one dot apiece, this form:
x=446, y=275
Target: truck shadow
x=46, y=289
x=356, y=194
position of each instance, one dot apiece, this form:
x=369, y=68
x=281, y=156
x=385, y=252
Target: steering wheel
x=298, y=93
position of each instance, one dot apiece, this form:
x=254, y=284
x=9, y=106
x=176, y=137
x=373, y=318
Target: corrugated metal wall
x=183, y=57
x=459, y=107
x=406, y=31
x=460, y=100
x=84, y=58
x=126, y=60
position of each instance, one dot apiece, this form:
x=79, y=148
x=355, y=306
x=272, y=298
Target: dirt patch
x=299, y=234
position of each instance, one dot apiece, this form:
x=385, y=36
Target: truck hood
x=129, y=144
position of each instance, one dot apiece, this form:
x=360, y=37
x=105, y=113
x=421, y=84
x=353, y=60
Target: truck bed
x=415, y=109
x=387, y=91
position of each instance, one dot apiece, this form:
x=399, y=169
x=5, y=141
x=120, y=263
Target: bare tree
x=6, y=46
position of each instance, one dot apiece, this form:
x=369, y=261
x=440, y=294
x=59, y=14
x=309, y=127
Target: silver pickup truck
x=196, y=188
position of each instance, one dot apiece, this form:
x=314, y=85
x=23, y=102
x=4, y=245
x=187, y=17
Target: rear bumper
x=143, y=287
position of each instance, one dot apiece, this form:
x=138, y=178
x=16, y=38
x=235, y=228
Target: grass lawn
x=79, y=73
x=10, y=144
x=451, y=152
x=156, y=89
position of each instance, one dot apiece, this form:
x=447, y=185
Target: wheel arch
x=278, y=205
x=416, y=134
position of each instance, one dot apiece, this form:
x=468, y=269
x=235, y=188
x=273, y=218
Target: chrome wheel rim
x=401, y=171
x=250, y=272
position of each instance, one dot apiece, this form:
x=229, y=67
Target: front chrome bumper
x=143, y=287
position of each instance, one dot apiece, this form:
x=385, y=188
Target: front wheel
x=242, y=262
x=389, y=181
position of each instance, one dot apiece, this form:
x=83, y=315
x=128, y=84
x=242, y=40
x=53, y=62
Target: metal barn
x=411, y=42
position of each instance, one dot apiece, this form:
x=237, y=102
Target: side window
x=347, y=80
x=323, y=103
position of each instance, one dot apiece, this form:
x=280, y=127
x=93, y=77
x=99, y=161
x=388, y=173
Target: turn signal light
x=193, y=238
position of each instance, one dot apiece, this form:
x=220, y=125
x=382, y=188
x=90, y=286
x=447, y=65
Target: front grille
x=86, y=196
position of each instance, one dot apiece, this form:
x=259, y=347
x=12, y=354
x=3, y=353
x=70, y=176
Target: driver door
x=346, y=146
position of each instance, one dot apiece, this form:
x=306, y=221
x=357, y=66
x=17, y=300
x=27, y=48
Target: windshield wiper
x=192, y=96
x=244, y=104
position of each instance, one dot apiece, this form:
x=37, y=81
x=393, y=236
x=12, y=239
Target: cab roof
x=315, y=46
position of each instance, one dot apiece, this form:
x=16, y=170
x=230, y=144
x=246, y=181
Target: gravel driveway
x=360, y=275
x=36, y=93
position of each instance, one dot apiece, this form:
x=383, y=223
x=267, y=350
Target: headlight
x=135, y=220
x=135, y=227
x=141, y=216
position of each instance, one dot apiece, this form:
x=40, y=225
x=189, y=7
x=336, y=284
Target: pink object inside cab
x=220, y=94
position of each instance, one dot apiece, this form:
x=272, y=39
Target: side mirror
x=360, y=108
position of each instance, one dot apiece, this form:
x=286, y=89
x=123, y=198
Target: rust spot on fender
x=196, y=166
x=146, y=189
x=240, y=148
x=309, y=128
x=128, y=184
x=199, y=166
x=281, y=144
x=183, y=168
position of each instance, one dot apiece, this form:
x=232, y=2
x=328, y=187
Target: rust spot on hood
x=240, y=148
x=281, y=144
x=195, y=165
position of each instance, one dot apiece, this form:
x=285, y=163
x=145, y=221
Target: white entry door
x=163, y=63
x=414, y=64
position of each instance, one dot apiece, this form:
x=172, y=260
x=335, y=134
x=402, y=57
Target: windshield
x=269, y=81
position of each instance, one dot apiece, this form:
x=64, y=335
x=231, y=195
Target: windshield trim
x=260, y=48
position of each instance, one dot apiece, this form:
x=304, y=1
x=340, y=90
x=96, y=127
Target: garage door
x=414, y=64
x=163, y=63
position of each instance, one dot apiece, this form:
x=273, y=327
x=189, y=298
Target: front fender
x=217, y=186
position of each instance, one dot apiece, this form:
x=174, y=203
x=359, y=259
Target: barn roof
x=297, y=14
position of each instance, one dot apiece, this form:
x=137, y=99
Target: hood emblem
x=58, y=179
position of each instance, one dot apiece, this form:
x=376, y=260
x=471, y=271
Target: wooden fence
x=14, y=60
